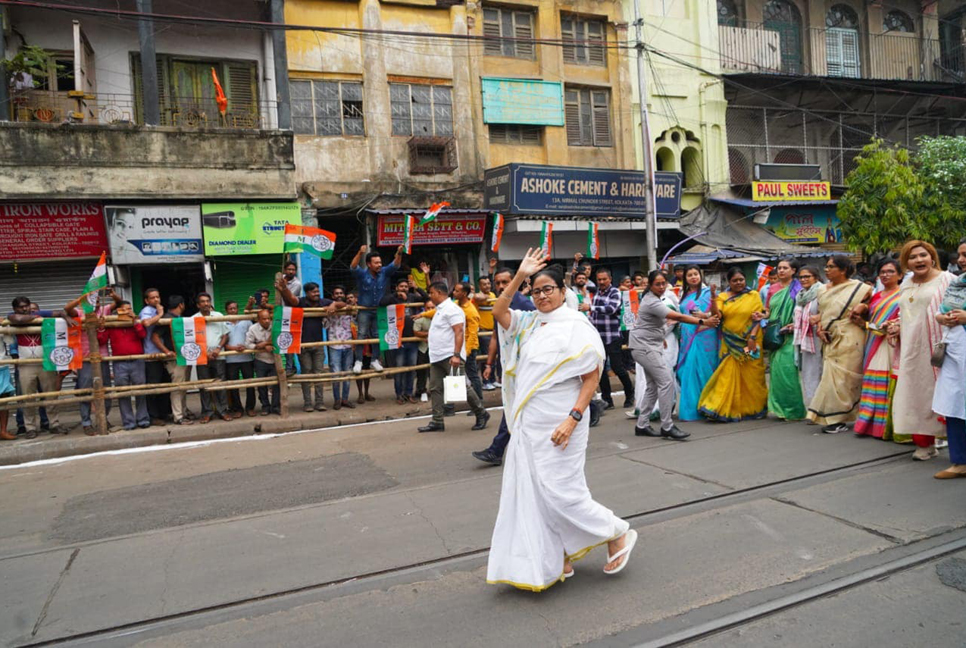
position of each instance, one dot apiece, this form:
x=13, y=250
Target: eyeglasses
x=829, y=266
x=805, y=276
x=546, y=291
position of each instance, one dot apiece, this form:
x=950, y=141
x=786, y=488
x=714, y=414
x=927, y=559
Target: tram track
x=365, y=580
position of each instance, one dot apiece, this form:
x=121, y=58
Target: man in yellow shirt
x=462, y=292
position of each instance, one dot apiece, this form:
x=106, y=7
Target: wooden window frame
x=496, y=31
x=587, y=116
x=439, y=128
x=582, y=28
x=446, y=147
x=516, y=134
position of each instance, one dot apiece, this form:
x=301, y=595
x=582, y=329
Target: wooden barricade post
x=97, y=374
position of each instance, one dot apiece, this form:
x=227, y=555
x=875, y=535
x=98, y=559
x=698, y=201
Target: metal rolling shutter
x=238, y=277
x=51, y=285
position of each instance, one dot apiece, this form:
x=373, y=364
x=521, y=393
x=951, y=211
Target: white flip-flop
x=626, y=552
x=570, y=574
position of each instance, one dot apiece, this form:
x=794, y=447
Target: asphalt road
x=758, y=533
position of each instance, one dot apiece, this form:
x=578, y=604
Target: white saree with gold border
x=546, y=510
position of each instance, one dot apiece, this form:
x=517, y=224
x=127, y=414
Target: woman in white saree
x=552, y=358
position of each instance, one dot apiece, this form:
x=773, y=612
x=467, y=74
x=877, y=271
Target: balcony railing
x=117, y=109
x=779, y=48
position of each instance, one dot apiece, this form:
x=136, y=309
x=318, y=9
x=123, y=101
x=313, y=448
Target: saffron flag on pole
x=433, y=212
x=497, y=236
x=287, y=330
x=220, y=97
x=98, y=281
x=593, y=240
x=630, y=301
x=409, y=225
x=546, y=238
x=313, y=240
x=61, y=345
x=391, y=321
x=190, y=341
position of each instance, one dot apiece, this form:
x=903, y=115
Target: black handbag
x=773, y=339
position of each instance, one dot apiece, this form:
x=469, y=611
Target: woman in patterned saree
x=698, y=355
x=736, y=390
x=878, y=381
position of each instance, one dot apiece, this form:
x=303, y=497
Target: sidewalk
x=52, y=446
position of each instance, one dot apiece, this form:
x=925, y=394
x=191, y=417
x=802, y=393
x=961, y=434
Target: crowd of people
x=884, y=352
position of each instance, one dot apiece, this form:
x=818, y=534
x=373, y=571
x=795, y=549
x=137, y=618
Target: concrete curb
x=48, y=446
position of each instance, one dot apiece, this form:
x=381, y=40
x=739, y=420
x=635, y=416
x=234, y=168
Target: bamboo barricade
x=98, y=393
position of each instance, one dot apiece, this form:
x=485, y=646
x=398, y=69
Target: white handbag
x=454, y=388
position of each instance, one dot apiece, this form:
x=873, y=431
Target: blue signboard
x=520, y=101
x=575, y=191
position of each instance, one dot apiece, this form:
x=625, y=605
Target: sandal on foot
x=626, y=552
x=567, y=575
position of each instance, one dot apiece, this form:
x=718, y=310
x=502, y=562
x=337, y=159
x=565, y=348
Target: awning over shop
x=720, y=234
x=748, y=203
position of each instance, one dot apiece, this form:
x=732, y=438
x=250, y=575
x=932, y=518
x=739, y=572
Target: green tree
x=941, y=163
x=887, y=203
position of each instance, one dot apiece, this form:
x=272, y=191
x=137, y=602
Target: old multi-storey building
x=115, y=142
x=410, y=102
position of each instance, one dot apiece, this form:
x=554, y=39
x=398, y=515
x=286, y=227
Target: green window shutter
x=137, y=76
x=238, y=280
x=242, y=92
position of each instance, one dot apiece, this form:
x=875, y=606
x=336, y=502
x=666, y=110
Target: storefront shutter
x=239, y=277
x=50, y=285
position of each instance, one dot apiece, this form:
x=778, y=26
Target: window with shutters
x=187, y=93
x=331, y=108
x=508, y=32
x=842, y=53
x=421, y=110
x=587, y=113
x=516, y=134
x=589, y=37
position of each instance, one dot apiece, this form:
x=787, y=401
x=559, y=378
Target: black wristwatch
x=576, y=415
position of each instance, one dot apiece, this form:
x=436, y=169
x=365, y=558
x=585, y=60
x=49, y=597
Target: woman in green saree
x=785, y=391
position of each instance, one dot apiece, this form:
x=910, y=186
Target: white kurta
x=949, y=398
x=546, y=510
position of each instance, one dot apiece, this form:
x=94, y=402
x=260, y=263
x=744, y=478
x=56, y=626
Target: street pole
x=650, y=220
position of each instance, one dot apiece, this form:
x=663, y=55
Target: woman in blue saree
x=698, y=354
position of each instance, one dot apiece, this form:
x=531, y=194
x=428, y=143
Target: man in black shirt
x=312, y=359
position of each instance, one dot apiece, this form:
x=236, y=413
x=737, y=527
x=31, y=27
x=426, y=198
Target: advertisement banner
x=576, y=191
x=247, y=228
x=445, y=230
x=146, y=234
x=63, y=230
x=815, y=225
x=788, y=191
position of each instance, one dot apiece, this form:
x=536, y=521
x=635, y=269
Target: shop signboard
x=148, y=234
x=247, y=228
x=523, y=101
x=445, y=230
x=769, y=191
x=816, y=224
x=577, y=191
x=58, y=230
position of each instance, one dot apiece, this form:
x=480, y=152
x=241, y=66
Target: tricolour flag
x=97, y=282
x=593, y=240
x=433, y=212
x=313, y=240
x=190, y=341
x=497, y=236
x=763, y=272
x=287, y=330
x=409, y=226
x=546, y=238
x=391, y=322
x=61, y=345
x=630, y=300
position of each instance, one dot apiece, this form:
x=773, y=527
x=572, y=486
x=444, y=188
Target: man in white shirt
x=447, y=351
x=216, y=334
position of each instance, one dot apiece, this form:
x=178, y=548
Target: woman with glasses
x=552, y=360
x=949, y=400
x=808, y=348
x=920, y=298
x=647, y=343
x=836, y=400
x=736, y=390
x=878, y=380
x=785, y=390
x=698, y=353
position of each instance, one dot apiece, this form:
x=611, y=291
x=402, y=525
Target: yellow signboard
x=768, y=191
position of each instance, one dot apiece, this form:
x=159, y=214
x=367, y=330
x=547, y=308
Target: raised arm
x=358, y=257
x=534, y=261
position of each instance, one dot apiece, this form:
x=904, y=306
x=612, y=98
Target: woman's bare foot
x=612, y=548
x=568, y=568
